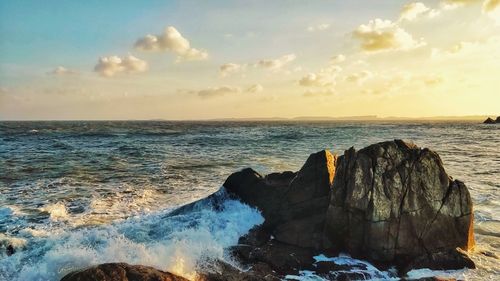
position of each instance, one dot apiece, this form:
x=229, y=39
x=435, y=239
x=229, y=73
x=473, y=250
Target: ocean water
x=73, y=194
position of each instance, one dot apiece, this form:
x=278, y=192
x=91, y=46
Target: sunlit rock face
x=393, y=202
x=121, y=272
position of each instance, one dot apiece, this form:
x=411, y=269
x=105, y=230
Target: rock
x=261, y=192
x=10, y=250
x=392, y=202
x=121, y=272
x=444, y=260
x=303, y=208
x=497, y=120
x=222, y=271
x=490, y=121
x=293, y=204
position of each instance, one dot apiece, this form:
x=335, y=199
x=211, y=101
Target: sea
x=79, y=193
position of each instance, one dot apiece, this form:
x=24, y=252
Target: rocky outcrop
x=392, y=202
x=491, y=121
x=121, y=272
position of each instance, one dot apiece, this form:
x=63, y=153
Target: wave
x=176, y=241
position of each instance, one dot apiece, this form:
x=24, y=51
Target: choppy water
x=79, y=193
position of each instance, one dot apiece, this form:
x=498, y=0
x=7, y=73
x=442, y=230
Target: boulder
x=497, y=120
x=489, y=121
x=393, y=202
x=293, y=204
x=121, y=272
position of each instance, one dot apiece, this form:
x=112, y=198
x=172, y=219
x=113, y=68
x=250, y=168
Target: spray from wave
x=175, y=241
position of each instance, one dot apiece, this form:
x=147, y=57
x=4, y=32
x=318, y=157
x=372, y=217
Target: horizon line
x=297, y=118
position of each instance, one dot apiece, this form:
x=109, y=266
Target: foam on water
x=176, y=242
x=359, y=267
x=57, y=211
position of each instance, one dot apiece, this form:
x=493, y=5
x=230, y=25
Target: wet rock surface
x=121, y=272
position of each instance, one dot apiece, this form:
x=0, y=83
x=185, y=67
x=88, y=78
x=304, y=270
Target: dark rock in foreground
x=121, y=272
x=391, y=203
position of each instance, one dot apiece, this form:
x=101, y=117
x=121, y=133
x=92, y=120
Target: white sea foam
x=176, y=243
x=57, y=211
x=359, y=267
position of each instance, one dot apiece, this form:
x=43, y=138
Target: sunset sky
x=221, y=59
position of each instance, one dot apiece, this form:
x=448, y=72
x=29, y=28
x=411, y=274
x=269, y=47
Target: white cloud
x=492, y=9
x=490, y=5
x=416, y=10
x=318, y=27
x=61, y=70
x=319, y=93
x=218, y=91
x=109, y=66
x=359, y=77
x=383, y=35
x=256, y=88
x=276, y=64
x=324, y=78
x=338, y=58
x=171, y=40
x=230, y=68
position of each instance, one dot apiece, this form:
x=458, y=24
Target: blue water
x=62, y=183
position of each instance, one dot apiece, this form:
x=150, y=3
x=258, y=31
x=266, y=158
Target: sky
x=191, y=60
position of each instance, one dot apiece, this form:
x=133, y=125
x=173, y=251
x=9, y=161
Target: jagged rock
x=491, y=121
x=304, y=205
x=261, y=192
x=497, y=120
x=293, y=204
x=393, y=202
x=121, y=272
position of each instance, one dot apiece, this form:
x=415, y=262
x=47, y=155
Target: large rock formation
x=121, y=272
x=393, y=202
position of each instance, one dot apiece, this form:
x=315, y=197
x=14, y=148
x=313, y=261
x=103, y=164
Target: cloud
x=319, y=93
x=61, y=70
x=112, y=65
x=316, y=80
x=230, y=68
x=318, y=27
x=383, y=35
x=416, y=10
x=338, y=58
x=492, y=9
x=276, y=64
x=256, y=88
x=432, y=80
x=490, y=5
x=173, y=41
x=218, y=91
x=324, y=78
x=359, y=77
